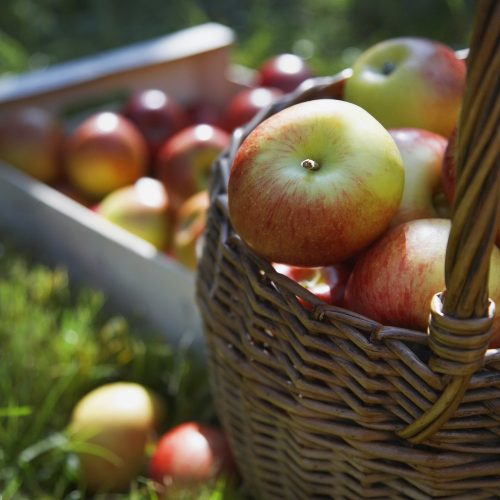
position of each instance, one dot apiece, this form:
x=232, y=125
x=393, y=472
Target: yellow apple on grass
x=113, y=424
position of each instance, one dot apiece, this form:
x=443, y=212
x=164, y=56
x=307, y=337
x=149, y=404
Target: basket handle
x=462, y=316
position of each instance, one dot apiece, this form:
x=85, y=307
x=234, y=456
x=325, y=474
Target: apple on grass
x=315, y=183
x=189, y=227
x=327, y=283
x=157, y=115
x=142, y=209
x=409, y=82
x=104, y=153
x=283, y=71
x=422, y=153
x=395, y=279
x=184, y=162
x=111, y=427
x=191, y=455
x=246, y=104
x=32, y=140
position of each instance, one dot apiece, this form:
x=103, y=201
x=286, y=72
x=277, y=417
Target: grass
x=56, y=344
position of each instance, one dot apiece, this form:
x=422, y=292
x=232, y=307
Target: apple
x=184, y=162
x=113, y=424
x=31, y=139
x=191, y=454
x=283, y=71
x=157, y=115
x=142, y=209
x=246, y=104
x=315, y=183
x=104, y=153
x=201, y=111
x=327, y=283
x=394, y=281
x=189, y=228
x=409, y=82
x=422, y=153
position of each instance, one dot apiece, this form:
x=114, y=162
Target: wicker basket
x=325, y=403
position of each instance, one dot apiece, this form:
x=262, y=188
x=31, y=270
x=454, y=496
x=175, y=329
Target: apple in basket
x=113, y=425
x=327, y=283
x=105, y=152
x=142, y=209
x=409, y=82
x=31, y=139
x=395, y=279
x=191, y=454
x=283, y=71
x=422, y=152
x=315, y=183
x=184, y=162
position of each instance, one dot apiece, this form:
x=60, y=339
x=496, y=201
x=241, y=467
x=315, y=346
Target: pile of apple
x=352, y=197
x=146, y=166
x=118, y=433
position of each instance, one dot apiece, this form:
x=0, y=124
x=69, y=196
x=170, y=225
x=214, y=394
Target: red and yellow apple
x=315, y=183
x=157, y=115
x=409, y=82
x=283, y=71
x=32, y=140
x=191, y=454
x=114, y=423
x=422, y=153
x=246, y=104
x=327, y=283
x=104, y=153
x=184, y=162
x=189, y=227
x=142, y=209
x=394, y=281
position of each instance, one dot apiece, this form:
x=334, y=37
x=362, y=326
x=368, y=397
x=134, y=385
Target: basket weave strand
x=314, y=400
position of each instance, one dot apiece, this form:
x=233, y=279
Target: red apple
x=31, y=139
x=191, y=454
x=157, y=115
x=315, y=183
x=184, y=163
x=327, y=283
x=104, y=153
x=114, y=424
x=189, y=228
x=200, y=111
x=246, y=104
x=394, y=281
x=409, y=82
x=284, y=72
x=422, y=153
x=142, y=209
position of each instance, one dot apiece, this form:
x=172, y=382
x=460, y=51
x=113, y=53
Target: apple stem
x=310, y=164
x=388, y=68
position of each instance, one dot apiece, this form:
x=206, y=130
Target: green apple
x=315, y=183
x=142, y=209
x=409, y=82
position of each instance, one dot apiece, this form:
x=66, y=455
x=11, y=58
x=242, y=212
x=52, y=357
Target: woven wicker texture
x=325, y=403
